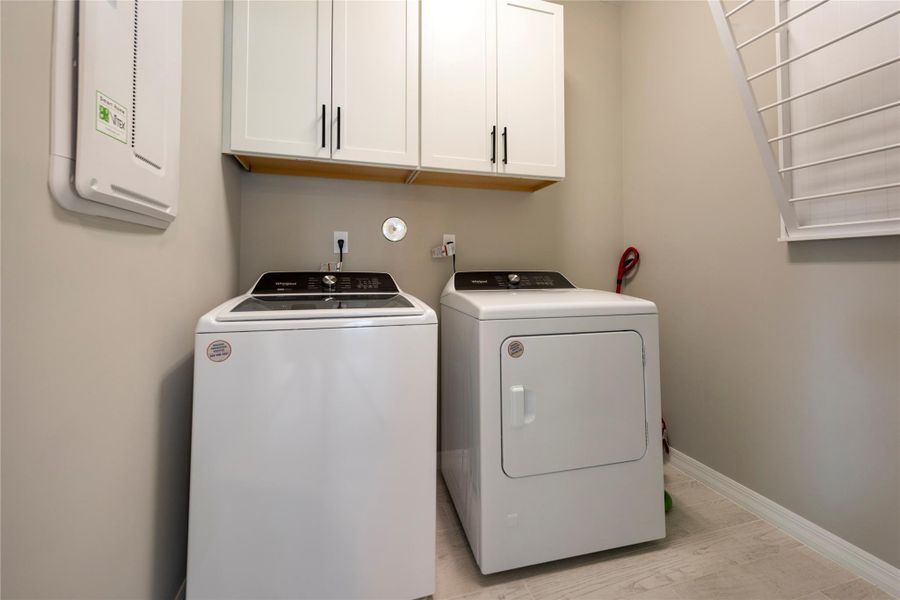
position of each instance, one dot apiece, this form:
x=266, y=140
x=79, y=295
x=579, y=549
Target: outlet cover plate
x=341, y=235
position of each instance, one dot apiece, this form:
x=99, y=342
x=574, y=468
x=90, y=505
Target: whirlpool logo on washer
x=516, y=348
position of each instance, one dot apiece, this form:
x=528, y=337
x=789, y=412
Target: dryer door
x=572, y=401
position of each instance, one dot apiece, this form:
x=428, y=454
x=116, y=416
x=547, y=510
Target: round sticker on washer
x=218, y=351
x=516, y=349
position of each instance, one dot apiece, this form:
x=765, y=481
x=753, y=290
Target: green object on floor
x=668, y=500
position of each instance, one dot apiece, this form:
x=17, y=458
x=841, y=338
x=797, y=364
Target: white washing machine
x=314, y=429
x=550, y=417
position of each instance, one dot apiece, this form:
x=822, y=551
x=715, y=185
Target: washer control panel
x=510, y=280
x=315, y=282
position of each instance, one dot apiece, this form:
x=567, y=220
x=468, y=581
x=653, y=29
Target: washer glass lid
x=321, y=302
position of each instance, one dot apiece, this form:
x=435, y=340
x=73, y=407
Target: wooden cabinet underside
x=335, y=170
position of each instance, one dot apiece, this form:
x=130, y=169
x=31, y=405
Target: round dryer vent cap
x=394, y=229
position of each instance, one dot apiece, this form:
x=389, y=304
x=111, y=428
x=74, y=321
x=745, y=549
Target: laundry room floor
x=714, y=550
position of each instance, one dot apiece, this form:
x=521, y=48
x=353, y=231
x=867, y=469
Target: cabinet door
x=459, y=84
x=376, y=82
x=530, y=97
x=281, y=77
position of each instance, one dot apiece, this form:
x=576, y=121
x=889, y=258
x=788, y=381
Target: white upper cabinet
x=530, y=97
x=341, y=81
x=325, y=79
x=459, y=84
x=280, y=78
x=492, y=87
x=376, y=82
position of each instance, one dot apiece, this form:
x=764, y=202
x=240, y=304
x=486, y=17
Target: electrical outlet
x=449, y=238
x=341, y=235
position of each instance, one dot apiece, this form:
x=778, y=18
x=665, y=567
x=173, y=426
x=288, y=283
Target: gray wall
x=97, y=337
x=780, y=363
x=574, y=226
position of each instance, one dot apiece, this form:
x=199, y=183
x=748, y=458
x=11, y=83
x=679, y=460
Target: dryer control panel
x=510, y=280
x=316, y=282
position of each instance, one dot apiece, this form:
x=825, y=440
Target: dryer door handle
x=522, y=406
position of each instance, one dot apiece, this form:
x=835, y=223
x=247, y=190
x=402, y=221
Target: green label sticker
x=112, y=118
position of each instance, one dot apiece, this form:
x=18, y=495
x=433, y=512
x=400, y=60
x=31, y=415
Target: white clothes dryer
x=551, y=442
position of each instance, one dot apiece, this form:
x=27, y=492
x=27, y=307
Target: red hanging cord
x=629, y=261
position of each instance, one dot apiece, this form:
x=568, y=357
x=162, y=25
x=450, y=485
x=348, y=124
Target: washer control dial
x=329, y=281
x=513, y=279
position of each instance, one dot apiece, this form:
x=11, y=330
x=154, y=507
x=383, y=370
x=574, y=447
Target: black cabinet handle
x=505, y=156
x=339, y=128
x=323, y=125
x=494, y=144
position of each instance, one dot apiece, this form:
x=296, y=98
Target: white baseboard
x=180, y=594
x=854, y=559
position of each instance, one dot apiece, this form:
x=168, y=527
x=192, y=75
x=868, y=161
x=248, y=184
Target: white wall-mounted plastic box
x=116, y=109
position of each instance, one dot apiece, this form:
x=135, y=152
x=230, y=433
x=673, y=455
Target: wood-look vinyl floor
x=714, y=550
